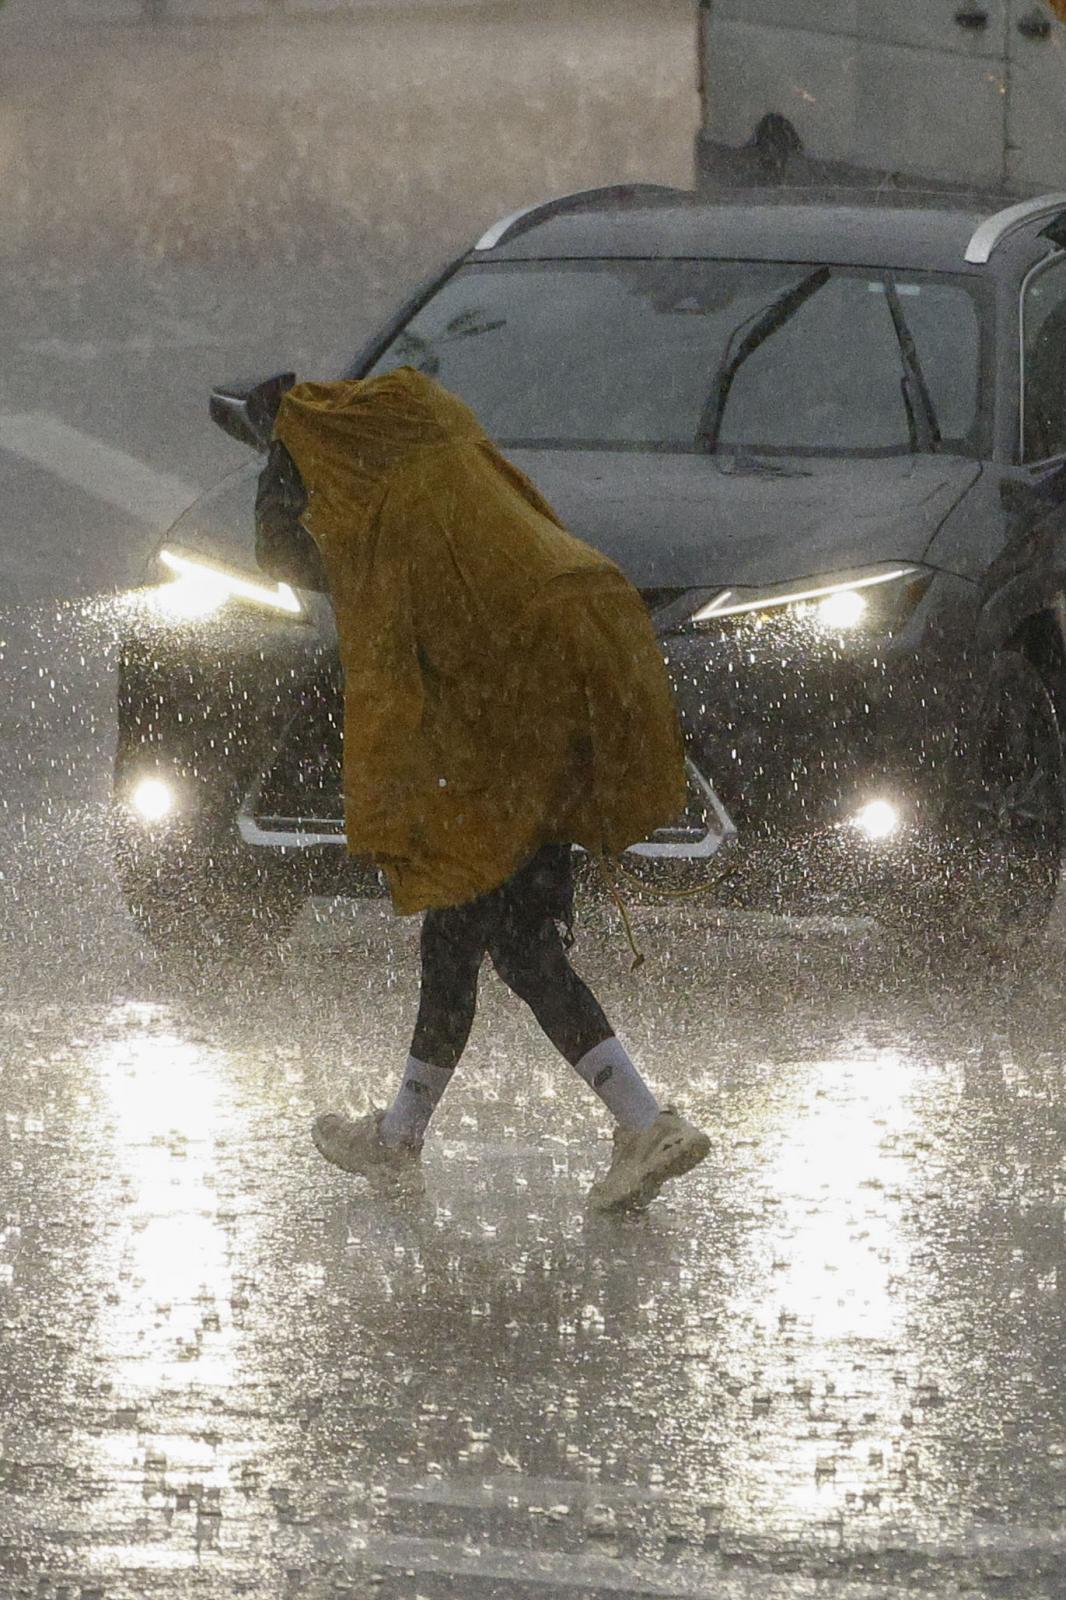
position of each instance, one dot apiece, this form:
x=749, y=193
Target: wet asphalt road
x=827, y=1364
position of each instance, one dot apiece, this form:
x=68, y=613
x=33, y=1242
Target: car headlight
x=878, y=598
x=200, y=588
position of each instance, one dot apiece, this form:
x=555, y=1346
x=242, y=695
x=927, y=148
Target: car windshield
x=695, y=355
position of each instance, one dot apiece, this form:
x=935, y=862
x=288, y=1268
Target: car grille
x=301, y=790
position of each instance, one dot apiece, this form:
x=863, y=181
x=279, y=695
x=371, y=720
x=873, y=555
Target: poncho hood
x=349, y=437
x=503, y=685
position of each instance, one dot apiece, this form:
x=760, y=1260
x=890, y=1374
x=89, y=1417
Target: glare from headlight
x=846, y=590
x=878, y=820
x=843, y=610
x=191, y=597
x=202, y=589
x=152, y=799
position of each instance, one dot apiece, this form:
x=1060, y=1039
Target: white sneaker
x=357, y=1146
x=642, y=1162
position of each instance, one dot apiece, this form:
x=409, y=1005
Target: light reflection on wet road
x=831, y=1357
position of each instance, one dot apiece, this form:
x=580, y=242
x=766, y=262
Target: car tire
x=202, y=896
x=996, y=860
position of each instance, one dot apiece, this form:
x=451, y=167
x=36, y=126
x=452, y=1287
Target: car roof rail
x=990, y=234
x=579, y=200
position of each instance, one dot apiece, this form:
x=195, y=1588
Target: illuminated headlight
x=879, y=595
x=152, y=799
x=878, y=820
x=200, y=589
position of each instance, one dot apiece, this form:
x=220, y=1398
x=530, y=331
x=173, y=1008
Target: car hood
x=688, y=521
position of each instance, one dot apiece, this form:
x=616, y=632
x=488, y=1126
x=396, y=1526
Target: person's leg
x=528, y=953
x=453, y=947
x=389, y=1142
x=651, y=1144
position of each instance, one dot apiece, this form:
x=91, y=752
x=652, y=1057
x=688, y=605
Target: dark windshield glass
x=630, y=355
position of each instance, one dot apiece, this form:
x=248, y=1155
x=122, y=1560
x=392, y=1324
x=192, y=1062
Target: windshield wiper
x=777, y=313
x=922, y=423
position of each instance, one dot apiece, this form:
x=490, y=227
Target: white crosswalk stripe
x=474, y=1554
x=98, y=469
x=515, y=1489
x=559, y=1572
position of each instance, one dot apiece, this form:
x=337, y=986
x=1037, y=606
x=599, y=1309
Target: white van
x=955, y=92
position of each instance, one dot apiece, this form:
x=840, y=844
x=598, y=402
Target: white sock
x=406, y=1120
x=610, y=1073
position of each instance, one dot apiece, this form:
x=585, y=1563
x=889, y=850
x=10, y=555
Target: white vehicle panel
x=906, y=88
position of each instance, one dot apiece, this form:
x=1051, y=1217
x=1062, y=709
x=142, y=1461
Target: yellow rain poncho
x=503, y=685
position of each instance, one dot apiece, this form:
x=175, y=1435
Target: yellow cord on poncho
x=607, y=866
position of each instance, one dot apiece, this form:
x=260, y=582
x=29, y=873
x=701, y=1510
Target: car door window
x=1044, y=365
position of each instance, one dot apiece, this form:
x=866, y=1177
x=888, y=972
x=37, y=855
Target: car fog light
x=878, y=820
x=845, y=609
x=152, y=799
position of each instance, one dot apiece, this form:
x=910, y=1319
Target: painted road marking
x=87, y=463
x=696, y=1577
x=559, y=1571
x=693, y=1574
x=516, y=1489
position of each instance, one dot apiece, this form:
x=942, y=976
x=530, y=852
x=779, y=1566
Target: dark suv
x=825, y=436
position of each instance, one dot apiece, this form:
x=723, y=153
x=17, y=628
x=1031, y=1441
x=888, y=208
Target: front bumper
x=796, y=733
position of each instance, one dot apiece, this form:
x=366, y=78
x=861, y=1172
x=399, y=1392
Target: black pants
x=516, y=925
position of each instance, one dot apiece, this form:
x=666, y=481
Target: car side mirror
x=246, y=411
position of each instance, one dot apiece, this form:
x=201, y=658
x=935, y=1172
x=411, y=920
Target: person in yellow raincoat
x=505, y=699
